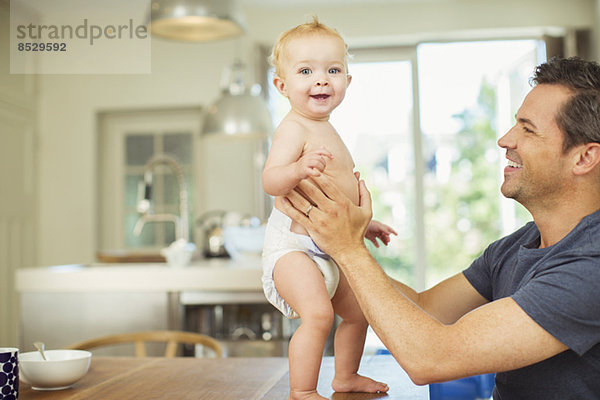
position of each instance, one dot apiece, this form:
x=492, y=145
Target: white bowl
x=62, y=369
x=179, y=253
x=244, y=241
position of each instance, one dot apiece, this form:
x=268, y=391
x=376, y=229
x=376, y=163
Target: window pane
x=178, y=145
x=138, y=149
x=131, y=190
x=374, y=121
x=464, y=100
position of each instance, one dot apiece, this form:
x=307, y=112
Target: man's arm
x=496, y=336
x=448, y=300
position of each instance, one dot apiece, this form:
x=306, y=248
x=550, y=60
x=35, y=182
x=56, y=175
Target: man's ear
x=587, y=158
x=279, y=83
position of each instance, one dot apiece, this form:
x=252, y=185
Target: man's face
x=537, y=168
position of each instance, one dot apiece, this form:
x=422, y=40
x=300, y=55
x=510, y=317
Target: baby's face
x=314, y=73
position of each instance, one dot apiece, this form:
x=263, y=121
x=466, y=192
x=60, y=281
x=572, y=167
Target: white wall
x=182, y=74
x=18, y=191
x=407, y=20
x=188, y=74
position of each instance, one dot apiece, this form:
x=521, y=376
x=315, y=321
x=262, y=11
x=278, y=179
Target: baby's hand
x=378, y=230
x=313, y=163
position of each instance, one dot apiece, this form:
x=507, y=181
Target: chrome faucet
x=144, y=205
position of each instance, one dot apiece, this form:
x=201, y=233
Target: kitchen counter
x=68, y=303
x=209, y=275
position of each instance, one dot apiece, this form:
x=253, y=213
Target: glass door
x=422, y=124
x=376, y=120
x=469, y=94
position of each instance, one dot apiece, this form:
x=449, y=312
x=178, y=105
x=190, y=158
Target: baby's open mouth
x=320, y=96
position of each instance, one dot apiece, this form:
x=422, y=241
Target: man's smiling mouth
x=513, y=164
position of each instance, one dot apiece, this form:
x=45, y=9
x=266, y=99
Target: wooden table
x=181, y=378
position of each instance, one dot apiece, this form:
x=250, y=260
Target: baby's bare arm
x=288, y=163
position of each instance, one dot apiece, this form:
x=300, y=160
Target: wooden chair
x=139, y=339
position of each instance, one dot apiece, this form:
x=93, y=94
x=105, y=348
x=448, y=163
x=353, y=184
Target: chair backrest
x=139, y=339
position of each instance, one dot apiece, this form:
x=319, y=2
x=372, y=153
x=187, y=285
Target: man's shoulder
x=591, y=223
x=521, y=236
x=584, y=237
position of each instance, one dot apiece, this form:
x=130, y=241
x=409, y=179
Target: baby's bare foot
x=358, y=383
x=306, y=395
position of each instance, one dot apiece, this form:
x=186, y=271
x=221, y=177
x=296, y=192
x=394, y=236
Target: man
x=529, y=307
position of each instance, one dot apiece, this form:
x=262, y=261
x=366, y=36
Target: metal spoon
x=40, y=346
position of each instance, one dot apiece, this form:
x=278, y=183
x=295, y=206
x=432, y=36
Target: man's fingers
x=298, y=201
x=313, y=192
x=291, y=211
x=328, y=189
x=364, y=197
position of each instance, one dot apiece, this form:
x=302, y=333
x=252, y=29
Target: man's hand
x=333, y=222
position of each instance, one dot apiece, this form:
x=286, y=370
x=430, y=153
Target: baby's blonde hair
x=309, y=28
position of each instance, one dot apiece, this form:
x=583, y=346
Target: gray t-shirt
x=559, y=288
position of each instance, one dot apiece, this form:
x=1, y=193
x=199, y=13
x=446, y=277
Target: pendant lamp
x=195, y=20
x=240, y=110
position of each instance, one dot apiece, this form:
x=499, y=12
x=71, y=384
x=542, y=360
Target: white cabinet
x=66, y=304
x=60, y=319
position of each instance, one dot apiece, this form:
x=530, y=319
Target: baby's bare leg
x=300, y=283
x=349, y=343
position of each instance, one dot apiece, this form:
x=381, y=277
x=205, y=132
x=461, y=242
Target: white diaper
x=279, y=241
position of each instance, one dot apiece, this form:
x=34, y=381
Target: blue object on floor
x=380, y=351
x=470, y=388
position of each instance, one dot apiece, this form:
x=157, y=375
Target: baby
x=299, y=279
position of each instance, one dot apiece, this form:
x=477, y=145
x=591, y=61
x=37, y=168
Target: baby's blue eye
x=305, y=71
x=334, y=70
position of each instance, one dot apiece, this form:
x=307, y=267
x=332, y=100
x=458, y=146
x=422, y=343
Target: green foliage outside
x=463, y=217
x=462, y=214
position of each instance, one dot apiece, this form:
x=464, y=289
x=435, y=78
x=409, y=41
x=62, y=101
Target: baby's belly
x=346, y=182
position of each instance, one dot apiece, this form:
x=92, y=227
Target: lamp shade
x=238, y=114
x=195, y=20
x=239, y=110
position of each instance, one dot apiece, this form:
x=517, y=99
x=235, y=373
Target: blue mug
x=9, y=373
